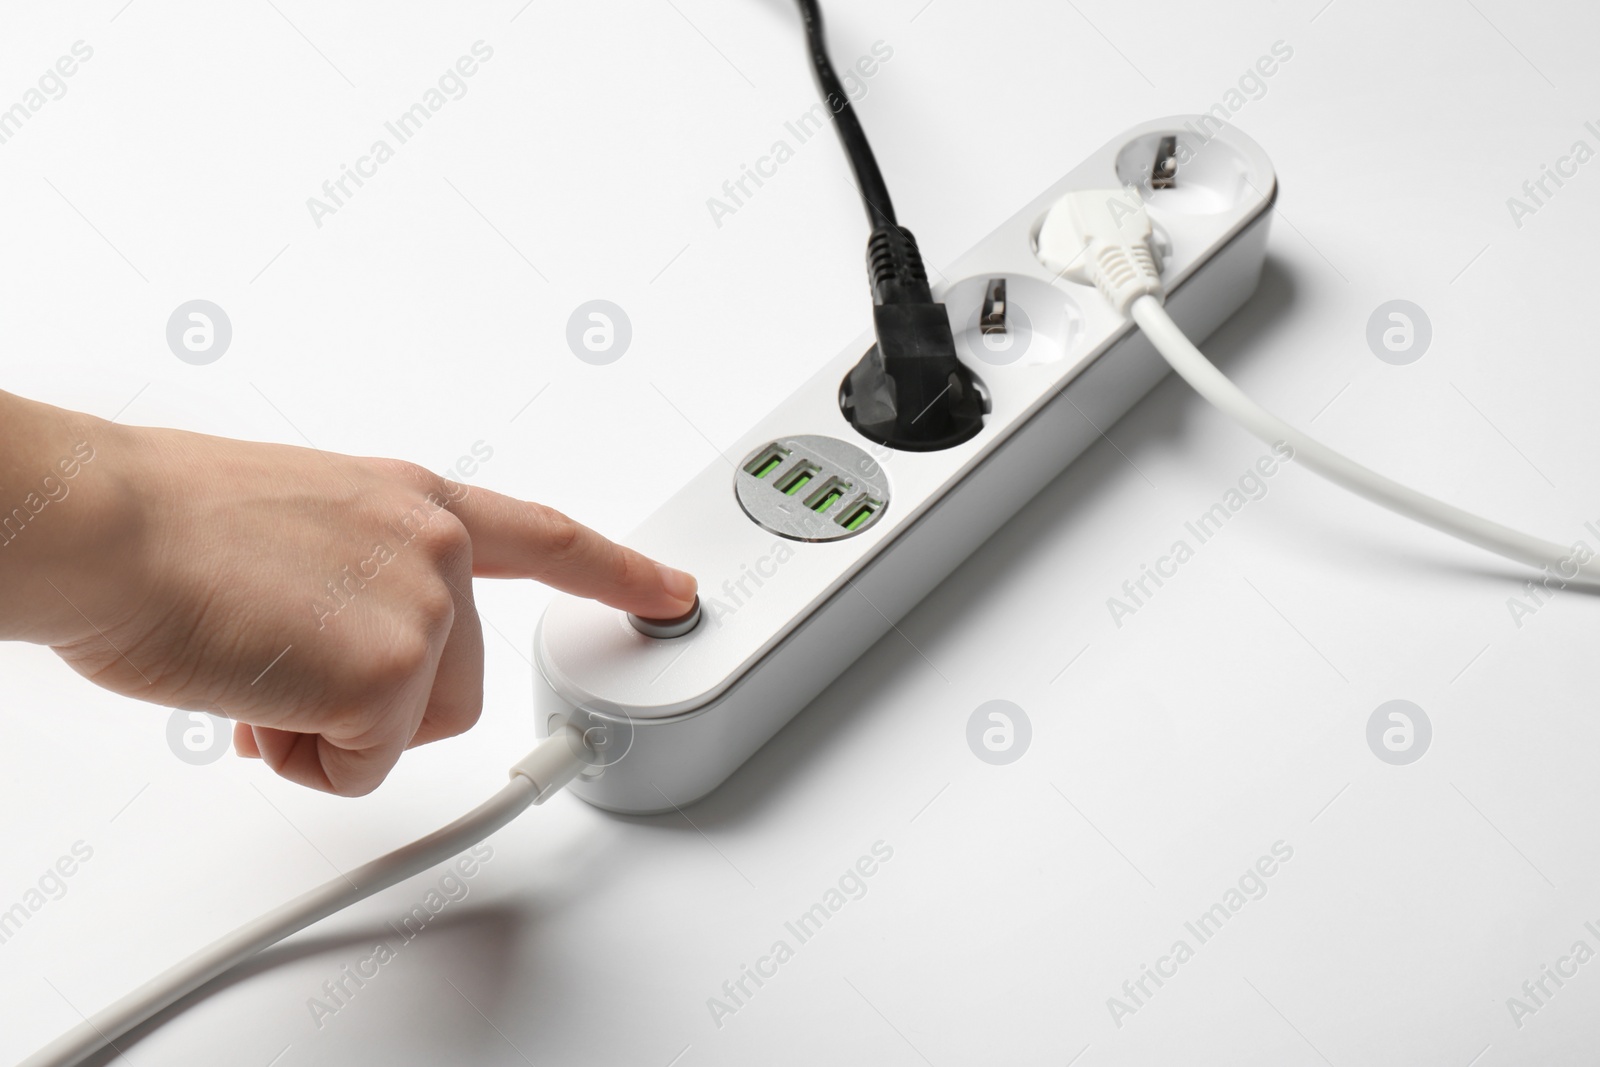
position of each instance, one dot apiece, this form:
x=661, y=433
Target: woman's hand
x=322, y=601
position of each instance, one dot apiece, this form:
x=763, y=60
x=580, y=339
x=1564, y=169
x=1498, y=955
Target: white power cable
x=555, y=762
x=1212, y=384
x=1104, y=237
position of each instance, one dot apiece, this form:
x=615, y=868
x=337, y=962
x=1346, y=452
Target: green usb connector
x=832, y=491
x=860, y=515
x=801, y=479
x=766, y=463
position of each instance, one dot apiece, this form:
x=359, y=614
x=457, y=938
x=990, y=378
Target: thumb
x=518, y=539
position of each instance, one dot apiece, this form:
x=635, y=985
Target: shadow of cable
x=484, y=934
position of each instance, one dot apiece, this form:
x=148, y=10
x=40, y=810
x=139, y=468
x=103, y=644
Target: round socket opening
x=1031, y=322
x=1211, y=175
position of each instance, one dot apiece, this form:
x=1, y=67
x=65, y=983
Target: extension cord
x=810, y=541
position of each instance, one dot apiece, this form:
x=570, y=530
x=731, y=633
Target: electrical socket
x=790, y=596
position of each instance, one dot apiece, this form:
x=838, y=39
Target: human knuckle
x=444, y=537
x=436, y=609
x=399, y=659
x=627, y=568
x=559, y=534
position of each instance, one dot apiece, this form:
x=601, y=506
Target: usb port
x=832, y=491
x=798, y=480
x=860, y=514
x=767, y=462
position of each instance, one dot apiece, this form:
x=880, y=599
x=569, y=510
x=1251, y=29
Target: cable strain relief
x=1124, y=272
x=554, y=762
x=895, y=267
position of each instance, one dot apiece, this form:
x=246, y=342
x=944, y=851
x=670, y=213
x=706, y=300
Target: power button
x=664, y=628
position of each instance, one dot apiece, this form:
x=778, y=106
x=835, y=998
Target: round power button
x=664, y=628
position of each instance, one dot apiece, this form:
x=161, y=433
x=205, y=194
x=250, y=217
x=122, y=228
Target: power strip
x=810, y=541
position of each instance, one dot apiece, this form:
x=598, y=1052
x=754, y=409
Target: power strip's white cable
x=554, y=763
x=1104, y=237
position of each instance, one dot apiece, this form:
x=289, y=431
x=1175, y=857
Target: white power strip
x=810, y=541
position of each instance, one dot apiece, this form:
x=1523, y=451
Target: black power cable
x=874, y=191
x=910, y=390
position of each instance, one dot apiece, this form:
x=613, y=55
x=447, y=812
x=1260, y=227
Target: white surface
x=1227, y=714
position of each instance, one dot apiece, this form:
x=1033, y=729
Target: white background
x=1168, y=754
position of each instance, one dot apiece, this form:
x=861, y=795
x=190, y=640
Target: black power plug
x=910, y=391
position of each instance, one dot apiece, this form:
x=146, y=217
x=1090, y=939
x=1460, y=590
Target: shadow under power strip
x=810, y=540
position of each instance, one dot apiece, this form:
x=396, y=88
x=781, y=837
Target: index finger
x=519, y=539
